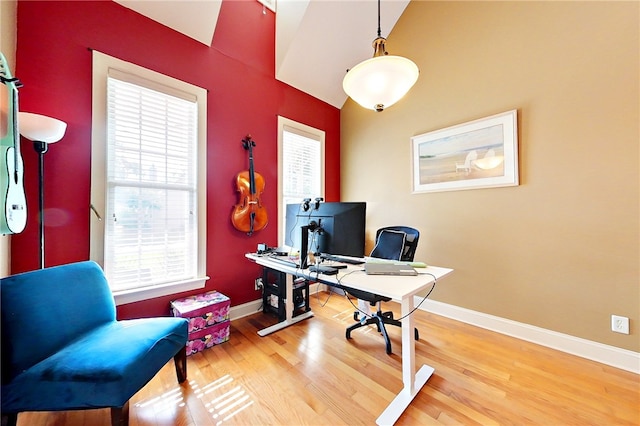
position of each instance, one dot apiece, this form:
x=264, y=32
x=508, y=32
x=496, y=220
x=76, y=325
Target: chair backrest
x=45, y=309
x=396, y=242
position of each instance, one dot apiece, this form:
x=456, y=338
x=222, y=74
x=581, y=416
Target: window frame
x=101, y=65
x=307, y=131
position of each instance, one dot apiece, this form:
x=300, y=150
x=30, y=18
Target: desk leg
x=412, y=381
x=289, y=318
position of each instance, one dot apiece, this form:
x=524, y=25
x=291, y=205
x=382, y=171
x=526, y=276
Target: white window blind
x=151, y=225
x=301, y=166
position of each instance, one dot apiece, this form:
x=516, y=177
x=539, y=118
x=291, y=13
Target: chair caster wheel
x=355, y=316
x=416, y=335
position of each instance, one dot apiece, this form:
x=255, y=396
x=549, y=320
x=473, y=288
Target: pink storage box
x=208, y=337
x=202, y=310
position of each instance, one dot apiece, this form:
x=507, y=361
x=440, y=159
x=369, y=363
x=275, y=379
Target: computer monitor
x=332, y=228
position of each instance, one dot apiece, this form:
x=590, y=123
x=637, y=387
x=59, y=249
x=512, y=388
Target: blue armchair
x=63, y=349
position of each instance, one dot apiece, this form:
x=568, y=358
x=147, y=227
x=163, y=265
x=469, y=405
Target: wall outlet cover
x=620, y=324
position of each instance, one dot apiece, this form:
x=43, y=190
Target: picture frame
x=481, y=153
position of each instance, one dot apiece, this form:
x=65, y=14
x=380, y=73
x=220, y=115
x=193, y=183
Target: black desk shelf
x=274, y=292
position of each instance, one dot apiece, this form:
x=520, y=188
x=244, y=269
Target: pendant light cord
x=379, y=32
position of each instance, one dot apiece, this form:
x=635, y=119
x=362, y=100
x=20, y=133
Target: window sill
x=140, y=294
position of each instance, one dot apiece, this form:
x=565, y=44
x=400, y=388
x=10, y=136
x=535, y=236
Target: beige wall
x=560, y=251
x=8, y=49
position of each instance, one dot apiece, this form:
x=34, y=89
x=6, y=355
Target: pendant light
x=381, y=81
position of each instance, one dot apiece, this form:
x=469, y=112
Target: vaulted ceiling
x=316, y=40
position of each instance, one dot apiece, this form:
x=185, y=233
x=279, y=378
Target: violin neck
x=249, y=144
x=252, y=178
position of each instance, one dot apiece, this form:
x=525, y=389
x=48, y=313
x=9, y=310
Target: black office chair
x=394, y=243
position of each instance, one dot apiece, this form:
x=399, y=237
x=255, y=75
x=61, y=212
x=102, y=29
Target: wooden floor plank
x=310, y=374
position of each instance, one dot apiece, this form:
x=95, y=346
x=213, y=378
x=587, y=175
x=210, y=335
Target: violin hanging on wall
x=249, y=215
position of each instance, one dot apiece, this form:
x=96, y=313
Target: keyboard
x=284, y=261
x=327, y=270
x=336, y=258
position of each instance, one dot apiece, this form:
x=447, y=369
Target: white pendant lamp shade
x=381, y=81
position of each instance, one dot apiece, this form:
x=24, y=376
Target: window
x=300, y=166
x=148, y=181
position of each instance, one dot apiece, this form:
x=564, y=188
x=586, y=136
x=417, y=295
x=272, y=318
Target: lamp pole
x=41, y=148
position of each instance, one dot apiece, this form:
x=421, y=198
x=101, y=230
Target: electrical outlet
x=620, y=324
x=258, y=283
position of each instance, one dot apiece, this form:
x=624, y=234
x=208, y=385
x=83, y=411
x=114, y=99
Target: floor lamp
x=42, y=131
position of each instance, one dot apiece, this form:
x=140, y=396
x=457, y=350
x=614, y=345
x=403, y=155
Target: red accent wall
x=54, y=45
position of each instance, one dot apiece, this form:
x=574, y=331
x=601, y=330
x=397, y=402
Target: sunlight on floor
x=221, y=398
x=226, y=405
x=346, y=317
x=171, y=398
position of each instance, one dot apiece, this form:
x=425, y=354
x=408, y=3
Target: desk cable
x=322, y=304
x=433, y=286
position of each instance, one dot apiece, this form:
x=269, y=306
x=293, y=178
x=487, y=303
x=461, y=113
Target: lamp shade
x=40, y=128
x=381, y=81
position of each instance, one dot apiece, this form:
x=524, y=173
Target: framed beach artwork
x=478, y=154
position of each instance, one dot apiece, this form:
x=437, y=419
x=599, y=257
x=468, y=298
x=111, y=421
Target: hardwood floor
x=309, y=374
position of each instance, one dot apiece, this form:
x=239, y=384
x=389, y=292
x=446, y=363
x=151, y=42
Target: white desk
x=398, y=288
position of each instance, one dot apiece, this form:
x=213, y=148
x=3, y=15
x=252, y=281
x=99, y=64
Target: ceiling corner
x=195, y=19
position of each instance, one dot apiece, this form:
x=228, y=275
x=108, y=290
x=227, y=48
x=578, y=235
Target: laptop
x=389, y=269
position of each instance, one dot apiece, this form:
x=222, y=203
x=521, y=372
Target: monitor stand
x=304, y=247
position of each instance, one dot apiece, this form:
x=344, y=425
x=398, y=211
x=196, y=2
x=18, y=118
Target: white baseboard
x=246, y=309
x=599, y=352
x=255, y=306
x=605, y=354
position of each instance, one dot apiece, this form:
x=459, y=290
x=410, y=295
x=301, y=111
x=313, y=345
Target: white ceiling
x=316, y=40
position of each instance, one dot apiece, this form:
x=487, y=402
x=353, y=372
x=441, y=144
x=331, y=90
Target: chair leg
x=383, y=330
x=120, y=415
x=180, y=360
x=387, y=318
x=380, y=319
x=9, y=419
x=379, y=322
x=354, y=326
